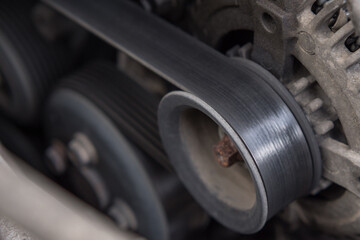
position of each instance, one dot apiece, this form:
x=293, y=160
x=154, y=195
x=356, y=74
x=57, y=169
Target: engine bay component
x=238, y=98
x=335, y=211
x=315, y=42
x=11, y=231
x=28, y=64
x=134, y=111
x=273, y=141
x=59, y=215
x=91, y=123
x=248, y=191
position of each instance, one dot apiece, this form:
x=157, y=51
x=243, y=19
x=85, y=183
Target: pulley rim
x=180, y=101
x=119, y=158
x=273, y=135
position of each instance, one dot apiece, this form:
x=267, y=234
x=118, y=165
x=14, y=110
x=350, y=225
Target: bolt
x=123, y=215
x=306, y=42
x=55, y=156
x=81, y=150
x=226, y=152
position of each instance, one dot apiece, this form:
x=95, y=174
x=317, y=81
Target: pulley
x=243, y=147
x=102, y=133
x=28, y=64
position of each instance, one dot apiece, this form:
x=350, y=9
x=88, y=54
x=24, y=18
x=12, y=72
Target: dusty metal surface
x=11, y=231
x=56, y=211
x=354, y=8
x=342, y=166
x=336, y=70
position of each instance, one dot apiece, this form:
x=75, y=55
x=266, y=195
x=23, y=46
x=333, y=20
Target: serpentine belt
x=253, y=103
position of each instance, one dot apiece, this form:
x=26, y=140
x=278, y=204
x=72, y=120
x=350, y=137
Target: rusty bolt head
x=226, y=152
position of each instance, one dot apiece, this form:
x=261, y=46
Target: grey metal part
x=212, y=20
x=332, y=68
x=11, y=231
x=49, y=212
x=170, y=112
x=133, y=111
x=336, y=70
x=342, y=165
x=274, y=22
x=339, y=216
x=119, y=158
x=355, y=14
x=92, y=112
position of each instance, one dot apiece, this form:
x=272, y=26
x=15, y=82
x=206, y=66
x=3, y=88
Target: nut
x=226, y=152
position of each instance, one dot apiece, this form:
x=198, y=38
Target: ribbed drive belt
x=274, y=131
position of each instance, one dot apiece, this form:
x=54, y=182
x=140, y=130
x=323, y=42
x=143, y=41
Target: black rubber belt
x=290, y=166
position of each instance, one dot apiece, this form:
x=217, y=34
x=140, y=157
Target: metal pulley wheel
x=28, y=64
x=244, y=149
x=102, y=128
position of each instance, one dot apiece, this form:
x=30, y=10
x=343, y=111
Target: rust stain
x=226, y=153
